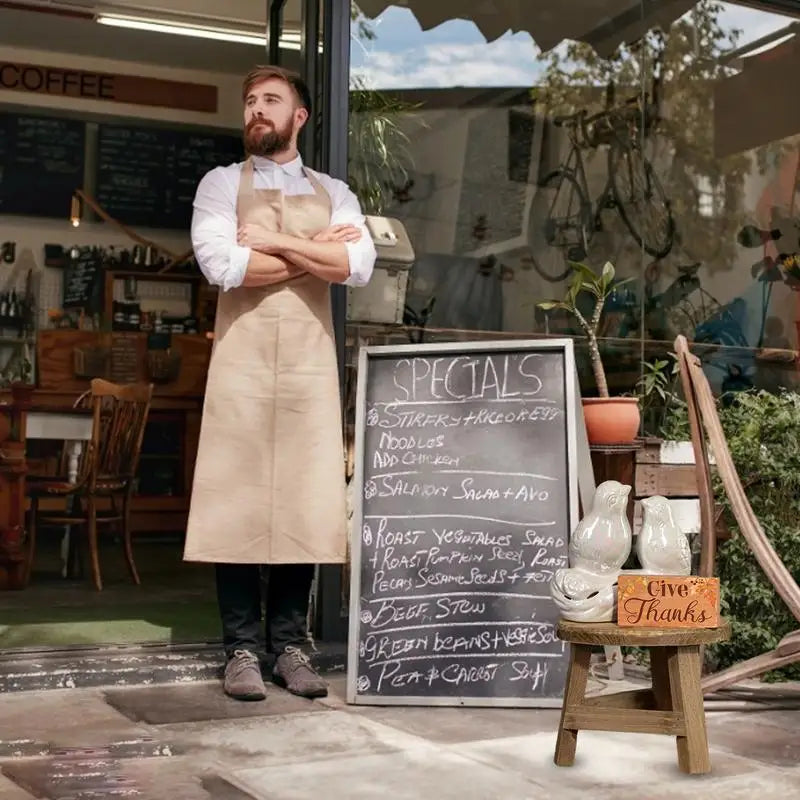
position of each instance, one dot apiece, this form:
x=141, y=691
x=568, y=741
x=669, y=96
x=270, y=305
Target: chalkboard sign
x=124, y=357
x=465, y=496
x=83, y=284
x=148, y=176
x=41, y=164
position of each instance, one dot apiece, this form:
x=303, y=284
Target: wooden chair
x=106, y=472
x=705, y=424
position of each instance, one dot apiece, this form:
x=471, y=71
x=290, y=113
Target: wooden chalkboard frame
x=581, y=490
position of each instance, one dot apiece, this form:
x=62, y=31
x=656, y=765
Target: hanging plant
x=380, y=158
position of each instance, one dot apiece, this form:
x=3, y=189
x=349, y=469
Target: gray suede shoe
x=293, y=670
x=243, y=679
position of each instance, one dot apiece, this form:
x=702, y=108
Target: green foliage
x=656, y=391
x=378, y=146
x=763, y=434
x=664, y=411
x=599, y=285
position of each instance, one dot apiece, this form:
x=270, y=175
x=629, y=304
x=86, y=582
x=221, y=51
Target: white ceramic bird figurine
x=599, y=546
x=601, y=542
x=661, y=546
x=583, y=596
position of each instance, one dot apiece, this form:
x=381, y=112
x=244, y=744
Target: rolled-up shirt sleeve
x=346, y=210
x=221, y=260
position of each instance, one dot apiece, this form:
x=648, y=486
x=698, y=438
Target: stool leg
x=659, y=670
x=575, y=690
x=687, y=698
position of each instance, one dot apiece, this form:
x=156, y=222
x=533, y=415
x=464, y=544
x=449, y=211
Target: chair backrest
x=702, y=467
x=703, y=416
x=119, y=416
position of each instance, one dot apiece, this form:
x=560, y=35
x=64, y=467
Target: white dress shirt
x=214, y=223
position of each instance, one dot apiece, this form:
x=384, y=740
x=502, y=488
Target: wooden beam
x=625, y=720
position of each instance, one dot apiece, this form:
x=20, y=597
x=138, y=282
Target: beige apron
x=269, y=484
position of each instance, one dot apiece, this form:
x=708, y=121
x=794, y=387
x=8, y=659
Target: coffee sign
x=667, y=601
x=112, y=87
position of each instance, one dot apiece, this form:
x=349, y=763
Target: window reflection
x=671, y=151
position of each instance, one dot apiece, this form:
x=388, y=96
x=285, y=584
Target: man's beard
x=272, y=140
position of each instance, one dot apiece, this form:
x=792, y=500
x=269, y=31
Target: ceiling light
x=287, y=41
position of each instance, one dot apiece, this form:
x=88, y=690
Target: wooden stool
x=673, y=706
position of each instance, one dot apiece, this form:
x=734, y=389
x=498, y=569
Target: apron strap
x=319, y=189
x=246, y=179
x=246, y=195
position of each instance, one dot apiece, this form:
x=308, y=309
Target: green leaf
x=574, y=290
x=608, y=272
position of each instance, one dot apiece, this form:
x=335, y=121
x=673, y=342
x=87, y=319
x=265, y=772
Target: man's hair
x=263, y=73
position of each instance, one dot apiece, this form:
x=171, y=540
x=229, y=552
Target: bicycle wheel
x=641, y=200
x=560, y=225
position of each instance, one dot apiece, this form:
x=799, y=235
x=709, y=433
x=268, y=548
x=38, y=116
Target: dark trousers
x=287, y=596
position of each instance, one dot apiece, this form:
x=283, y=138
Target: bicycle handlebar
x=689, y=270
x=565, y=119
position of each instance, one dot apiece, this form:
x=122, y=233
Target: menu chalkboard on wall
x=83, y=281
x=466, y=491
x=148, y=176
x=41, y=164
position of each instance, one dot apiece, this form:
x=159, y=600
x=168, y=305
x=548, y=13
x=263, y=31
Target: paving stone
x=455, y=725
x=179, y=779
x=769, y=744
x=261, y=741
x=220, y=789
x=10, y=790
x=761, y=784
x=81, y=775
x=74, y=745
x=59, y=717
x=602, y=759
x=159, y=705
x=413, y=774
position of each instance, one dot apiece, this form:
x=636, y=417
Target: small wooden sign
x=667, y=601
x=125, y=357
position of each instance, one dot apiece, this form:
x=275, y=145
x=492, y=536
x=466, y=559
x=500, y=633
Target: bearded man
x=269, y=487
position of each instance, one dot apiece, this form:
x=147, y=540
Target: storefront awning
x=758, y=105
x=604, y=24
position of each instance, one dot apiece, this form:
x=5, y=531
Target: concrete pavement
x=186, y=741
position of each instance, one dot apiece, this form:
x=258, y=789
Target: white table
x=74, y=428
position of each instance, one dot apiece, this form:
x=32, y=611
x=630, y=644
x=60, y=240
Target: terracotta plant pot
x=611, y=420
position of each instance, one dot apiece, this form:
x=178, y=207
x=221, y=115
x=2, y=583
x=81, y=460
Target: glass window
x=665, y=144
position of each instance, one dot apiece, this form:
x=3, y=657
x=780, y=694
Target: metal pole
x=331, y=619
x=310, y=58
x=335, y=121
x=274, y=21
x=336, y=107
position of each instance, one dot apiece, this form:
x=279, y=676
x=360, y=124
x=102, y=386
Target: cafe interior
x=496, y=142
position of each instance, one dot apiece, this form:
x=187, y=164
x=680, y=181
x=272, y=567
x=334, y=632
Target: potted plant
x=18, y=374
x=609, y=420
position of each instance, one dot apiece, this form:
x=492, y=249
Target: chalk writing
x=465, y=516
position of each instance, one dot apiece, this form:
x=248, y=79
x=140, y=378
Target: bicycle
x=685, y=307
x=415, y=322
x=631, y=187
